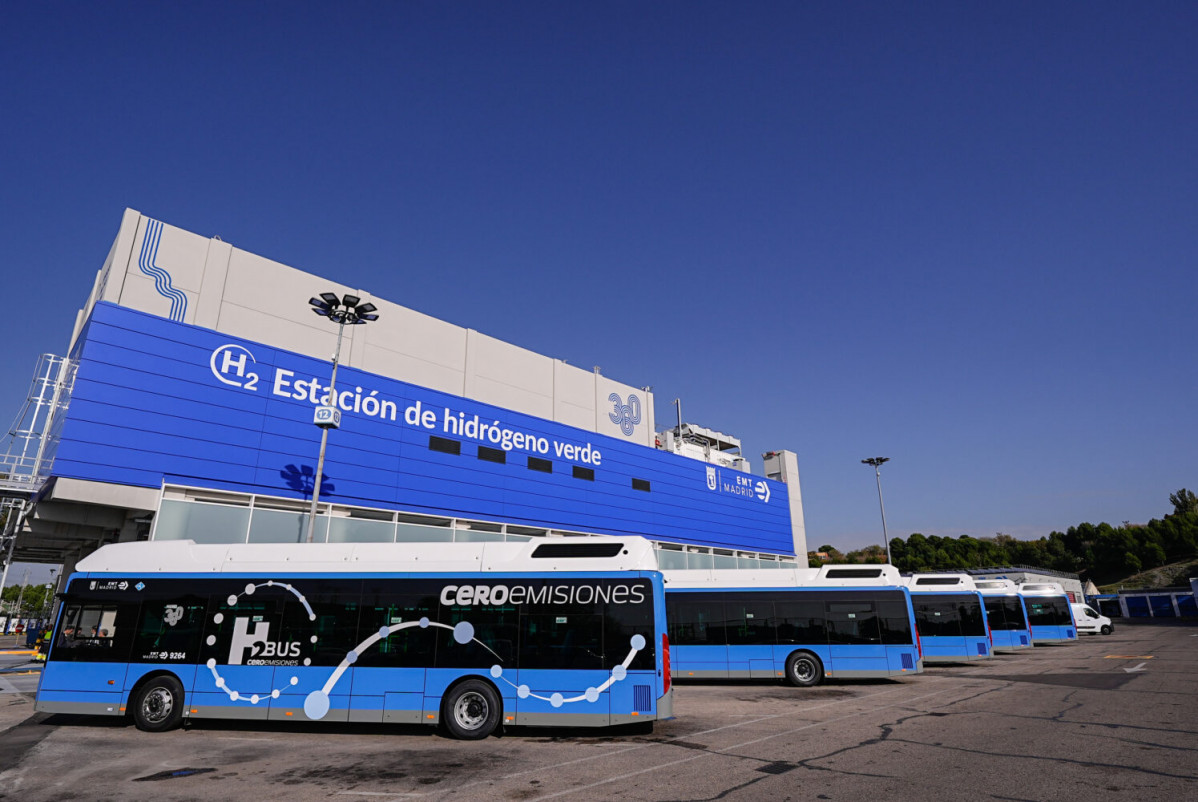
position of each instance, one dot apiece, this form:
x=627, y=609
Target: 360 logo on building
x=626, y=416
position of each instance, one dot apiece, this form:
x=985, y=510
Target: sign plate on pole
x=327, y=417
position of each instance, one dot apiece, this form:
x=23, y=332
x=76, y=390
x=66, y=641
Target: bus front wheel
x=804, y=669
x=472, y=710
x=159, y=705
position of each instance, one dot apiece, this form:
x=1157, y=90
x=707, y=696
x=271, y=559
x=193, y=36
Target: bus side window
x=385, y=605
x=750, y=621
x=169, y=630
x=325, y=623
x=692, y=622
x=95, y=633
x=621, y=622
x=852, y=622
x=799, y=621
x=893, y=620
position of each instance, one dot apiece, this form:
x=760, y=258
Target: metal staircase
x=33, y=437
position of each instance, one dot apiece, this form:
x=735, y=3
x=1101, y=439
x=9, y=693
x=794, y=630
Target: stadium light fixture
x=347, y=310
x=877, y=463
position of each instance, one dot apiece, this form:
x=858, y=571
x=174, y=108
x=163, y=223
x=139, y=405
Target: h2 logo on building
x=233, y=368
x=259, y=644
x=626, y=416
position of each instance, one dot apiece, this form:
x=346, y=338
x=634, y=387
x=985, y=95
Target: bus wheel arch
x=471, y=709
x=157, y=701
x=804, y=669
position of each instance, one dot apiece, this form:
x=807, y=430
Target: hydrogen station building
x=184, y=408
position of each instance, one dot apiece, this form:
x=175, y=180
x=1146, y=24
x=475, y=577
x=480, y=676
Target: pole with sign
x=346, y=310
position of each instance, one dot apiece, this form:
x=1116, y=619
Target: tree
x=1183, y=502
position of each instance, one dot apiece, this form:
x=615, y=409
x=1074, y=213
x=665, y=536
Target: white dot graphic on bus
x=219, y=617
x=618, y=673
x=316, y=703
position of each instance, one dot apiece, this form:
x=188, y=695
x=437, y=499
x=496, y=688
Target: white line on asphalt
x=241, y=738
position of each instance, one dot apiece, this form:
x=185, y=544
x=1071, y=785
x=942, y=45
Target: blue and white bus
x=1049, y=616
x=1006, y=614
x=801, y=625
x=951, y=618
x=471, y=636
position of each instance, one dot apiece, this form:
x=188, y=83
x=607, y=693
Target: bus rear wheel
x=804, y=669
x=159, y=705
x=472, y=710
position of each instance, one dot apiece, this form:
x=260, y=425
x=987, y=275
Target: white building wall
x=248, y=296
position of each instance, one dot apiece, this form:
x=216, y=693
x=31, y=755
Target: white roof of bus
x=939, y=583
x=996, y=586
x=186, y=556
x=1042, y=589
x=824, y=576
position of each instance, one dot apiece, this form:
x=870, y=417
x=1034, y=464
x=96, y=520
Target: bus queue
x=473, y=637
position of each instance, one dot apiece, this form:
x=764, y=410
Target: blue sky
x=961, y=235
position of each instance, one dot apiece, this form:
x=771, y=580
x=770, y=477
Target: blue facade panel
x=157, y=401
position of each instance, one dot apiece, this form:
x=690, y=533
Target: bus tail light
x=665, y=661
x=918, y=643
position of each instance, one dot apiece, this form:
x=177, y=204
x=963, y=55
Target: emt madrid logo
x=738, y=484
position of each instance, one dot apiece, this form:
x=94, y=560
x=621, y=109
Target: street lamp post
x=877, y=463
x=345, y=311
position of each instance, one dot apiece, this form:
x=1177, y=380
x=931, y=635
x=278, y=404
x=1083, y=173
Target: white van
x=1091, y=621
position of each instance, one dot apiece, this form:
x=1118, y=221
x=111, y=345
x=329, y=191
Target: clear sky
x=960, y=235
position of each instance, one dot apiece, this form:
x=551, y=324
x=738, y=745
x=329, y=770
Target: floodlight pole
x=877, y=463
x=324, y=433
x=346, y=310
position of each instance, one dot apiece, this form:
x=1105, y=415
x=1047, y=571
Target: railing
x=17, y=474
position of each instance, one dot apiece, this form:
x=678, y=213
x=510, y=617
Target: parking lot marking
x=1128, y=657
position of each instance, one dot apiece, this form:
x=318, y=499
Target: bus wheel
x=159, y=705
x=1106, y=630
x=804, y=669
x=472, y=710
